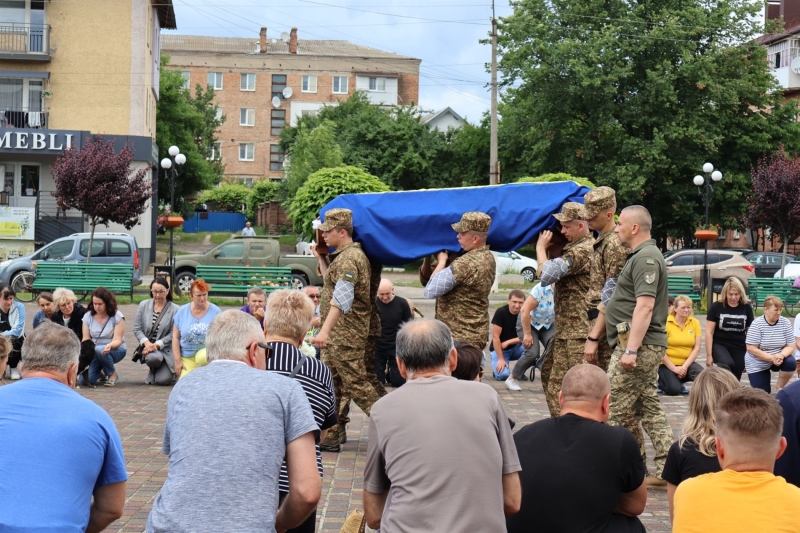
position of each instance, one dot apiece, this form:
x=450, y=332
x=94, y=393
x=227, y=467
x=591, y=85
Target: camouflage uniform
x=344, y=353
x=572, y=321
x=374, y=327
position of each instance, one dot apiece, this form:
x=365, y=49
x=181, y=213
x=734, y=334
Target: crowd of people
x=252, y=409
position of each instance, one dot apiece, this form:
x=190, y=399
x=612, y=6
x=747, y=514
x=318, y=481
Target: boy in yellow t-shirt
x=683, y=346
x=746, y=496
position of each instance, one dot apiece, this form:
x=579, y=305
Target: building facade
x=58, y=90
x=783, y=49
x=261, y=85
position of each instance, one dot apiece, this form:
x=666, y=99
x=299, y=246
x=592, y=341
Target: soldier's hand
x=313, y=249
x=321, y=340
x=590, y=352
x=628, y=361
x=527, y=341
x=501, y=365
x=545, y=238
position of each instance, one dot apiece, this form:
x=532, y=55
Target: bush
x=228, y=197
x=264, y=190
x=559, y=176
x=323, y=186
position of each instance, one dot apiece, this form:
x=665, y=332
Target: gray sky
x=444, y=34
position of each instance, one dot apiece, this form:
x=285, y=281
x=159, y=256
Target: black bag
x=137, y=353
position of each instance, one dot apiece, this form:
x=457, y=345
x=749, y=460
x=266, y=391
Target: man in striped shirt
x=287, y=319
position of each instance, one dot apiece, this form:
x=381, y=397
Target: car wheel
x=22, y=283
x=528, y=274
x=299, y=281
x=183, y=282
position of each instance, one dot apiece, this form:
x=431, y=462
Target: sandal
x=111, y=383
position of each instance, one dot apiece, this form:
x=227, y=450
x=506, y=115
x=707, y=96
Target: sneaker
x=512, y=384
x=684, y=390
x=15, y=374
x=659, y=391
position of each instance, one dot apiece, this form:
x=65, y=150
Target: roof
x=776, y=37
x=436, y=114
x=166, y=14
x=241, y=45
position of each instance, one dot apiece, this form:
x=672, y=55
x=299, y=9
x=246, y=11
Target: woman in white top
x=770, y=345
x=104, y=325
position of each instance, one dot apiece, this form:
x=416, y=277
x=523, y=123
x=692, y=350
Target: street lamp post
x=705, y=189
x=171, y=164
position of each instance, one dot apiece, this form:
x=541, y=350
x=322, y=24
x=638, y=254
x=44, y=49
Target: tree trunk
x=783, y=256
x=91, y=240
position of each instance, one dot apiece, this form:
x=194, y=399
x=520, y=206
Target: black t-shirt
x=393, y=315
x=5, y=325
x=573, y=473
x=687, y=462
x=732, y=323
x=507, y=322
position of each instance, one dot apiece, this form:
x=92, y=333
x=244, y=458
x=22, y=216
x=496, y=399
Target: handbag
x=137, y=353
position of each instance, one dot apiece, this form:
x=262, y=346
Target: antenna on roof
x=285, y=36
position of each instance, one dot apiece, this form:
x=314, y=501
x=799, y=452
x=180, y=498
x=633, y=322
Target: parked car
x=240, y=251
x=107, y=249
x=767, y=263
x=722, y=265
x=791, y=271
x=516, y=263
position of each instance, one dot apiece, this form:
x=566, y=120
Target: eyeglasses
x=267, y=349
x=480, y=373
x=159, y=292
x=314, y=296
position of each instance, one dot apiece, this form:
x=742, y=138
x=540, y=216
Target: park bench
x=83, y=278
x=760, y=288
x=682, y=286
x=239, y=279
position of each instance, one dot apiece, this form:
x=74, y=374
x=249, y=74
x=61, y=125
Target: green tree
x=323, y=186
x=464, y=160
x=264, y=190
x=312, y=149
x=190, y=124
x=229, y=197
x=637, y=96
x=558, y=176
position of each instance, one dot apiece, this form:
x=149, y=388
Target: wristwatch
x=630, y=352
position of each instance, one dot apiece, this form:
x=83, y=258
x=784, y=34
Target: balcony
x=21, y=117
x=24, y=41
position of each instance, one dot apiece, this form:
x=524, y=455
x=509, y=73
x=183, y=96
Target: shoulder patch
x=348, y=276
x=651, y=261
x=569, y=262
x=649, y=277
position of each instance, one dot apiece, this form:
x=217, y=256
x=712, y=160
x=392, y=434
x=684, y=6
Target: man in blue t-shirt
x=62, y=450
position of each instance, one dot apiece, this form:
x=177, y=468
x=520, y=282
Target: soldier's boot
x=333, y=441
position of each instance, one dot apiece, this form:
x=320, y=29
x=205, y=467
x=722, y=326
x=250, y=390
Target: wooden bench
x=238, y=280
x=682, y=286
x=83, y=277
x=760, y=288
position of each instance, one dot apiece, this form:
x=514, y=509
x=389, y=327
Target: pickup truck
x=240, y=251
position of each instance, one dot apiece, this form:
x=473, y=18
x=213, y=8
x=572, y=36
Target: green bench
x=760, y=288
x=238, y=280
x=83, y=278
x=682, y=286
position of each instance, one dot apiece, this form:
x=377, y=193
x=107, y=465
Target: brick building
x=248, y=75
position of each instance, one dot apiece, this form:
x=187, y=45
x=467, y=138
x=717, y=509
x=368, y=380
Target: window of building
x=309, y=84
x=247, y=182
x=29, y=184
x=247, y=152
x=278, y=121
x=216, y=152
x=215, y=80
x=186, y=75
x=218, y=114
x=248, y=82
x=23, y=22
x=247, y=117
x=278, y=85
x=778, y=60
x=21, y=99
x=275, y=157
x=340, y=85
x=377, y=84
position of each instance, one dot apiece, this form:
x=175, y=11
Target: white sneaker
x=15, y=374
x=512, y=384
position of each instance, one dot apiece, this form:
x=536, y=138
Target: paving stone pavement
x=139, y=412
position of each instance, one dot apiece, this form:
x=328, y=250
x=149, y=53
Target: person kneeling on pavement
x=683, y=344
x=12, y=326
x=506, y=346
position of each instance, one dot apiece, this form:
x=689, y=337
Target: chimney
x=262, y=38
x=293, y=41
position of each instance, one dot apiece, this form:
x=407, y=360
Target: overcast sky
x=443, y=34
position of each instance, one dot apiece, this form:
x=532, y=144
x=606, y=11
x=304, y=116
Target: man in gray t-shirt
x=229, y=426
x=440, y=455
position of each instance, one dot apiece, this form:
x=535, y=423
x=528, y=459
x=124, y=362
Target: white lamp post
x=706, y=191
x=170, y=165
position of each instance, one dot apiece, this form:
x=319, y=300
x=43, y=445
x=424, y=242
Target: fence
x=210, y=222
x=273, y=218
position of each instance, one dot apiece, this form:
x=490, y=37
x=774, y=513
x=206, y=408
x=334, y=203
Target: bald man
x=394, y=313
x=579, y=474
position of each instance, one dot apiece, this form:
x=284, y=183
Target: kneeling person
x=506, y=346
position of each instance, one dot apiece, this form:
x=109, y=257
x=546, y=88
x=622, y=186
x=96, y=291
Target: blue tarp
x=396, y=228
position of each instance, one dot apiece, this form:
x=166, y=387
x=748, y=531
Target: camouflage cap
x=337, y=217
x=570, y=211
x=597, y=200
x=473, y=221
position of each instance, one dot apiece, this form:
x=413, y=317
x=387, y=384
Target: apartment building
x=59, y=88
x=261, y=85
x=783, y=49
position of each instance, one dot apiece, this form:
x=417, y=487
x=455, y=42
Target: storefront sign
x=39, y=141
x=17, y=223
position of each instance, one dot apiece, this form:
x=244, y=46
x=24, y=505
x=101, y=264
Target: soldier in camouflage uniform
x=569, y=274
x=640, y=343
x=345, y=311
x=462, y=288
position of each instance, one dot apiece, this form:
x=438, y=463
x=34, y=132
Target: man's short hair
x=288, y=314
x=348, y=229
x=749, y=414
x=424, y=344
x=230, y=335
x=640, y=216
x=585, y=383
x=516, y=293
x=482, y=235
x=257, y=291
x=470, y=358
x=50, y=347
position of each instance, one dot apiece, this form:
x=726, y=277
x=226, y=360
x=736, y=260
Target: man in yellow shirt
x=683, y=345
x=746, y=496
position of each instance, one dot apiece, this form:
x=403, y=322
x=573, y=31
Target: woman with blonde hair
x=69, y=312
x=695, y=453
x=683, y=344
x=726, y=328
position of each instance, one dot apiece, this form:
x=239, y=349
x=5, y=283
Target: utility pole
x=494, y=174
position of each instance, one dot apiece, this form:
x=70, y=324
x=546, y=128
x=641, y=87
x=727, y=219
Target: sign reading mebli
x=23, y=140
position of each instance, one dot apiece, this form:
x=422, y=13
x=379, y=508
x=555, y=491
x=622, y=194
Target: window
x=98, y=248
x=30, y=180
x=247, y=152
x=218, y=114
x=248, y=82
x=377, y=84
x=216, y=152
x=309, y=84
x=57, y=250
x=278, y=85
x=682, y=260
x=247, y=117
x=117, y=248
x=234, y=250
x=340, y=85
x=278, y=121
x=275, y=157
x=23, y=25
x=19, y=95
x=215, y=80
x=186, y=75
x=258, y=250
x=778, y=60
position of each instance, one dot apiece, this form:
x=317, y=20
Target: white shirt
x=249, y=232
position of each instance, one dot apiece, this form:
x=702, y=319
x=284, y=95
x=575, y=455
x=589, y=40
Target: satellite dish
x=287, y=92
x=285, y=37
x=795, y=66
x=276, y=102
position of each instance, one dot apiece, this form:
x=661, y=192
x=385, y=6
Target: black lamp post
x=170, y=164
x=705, y=189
